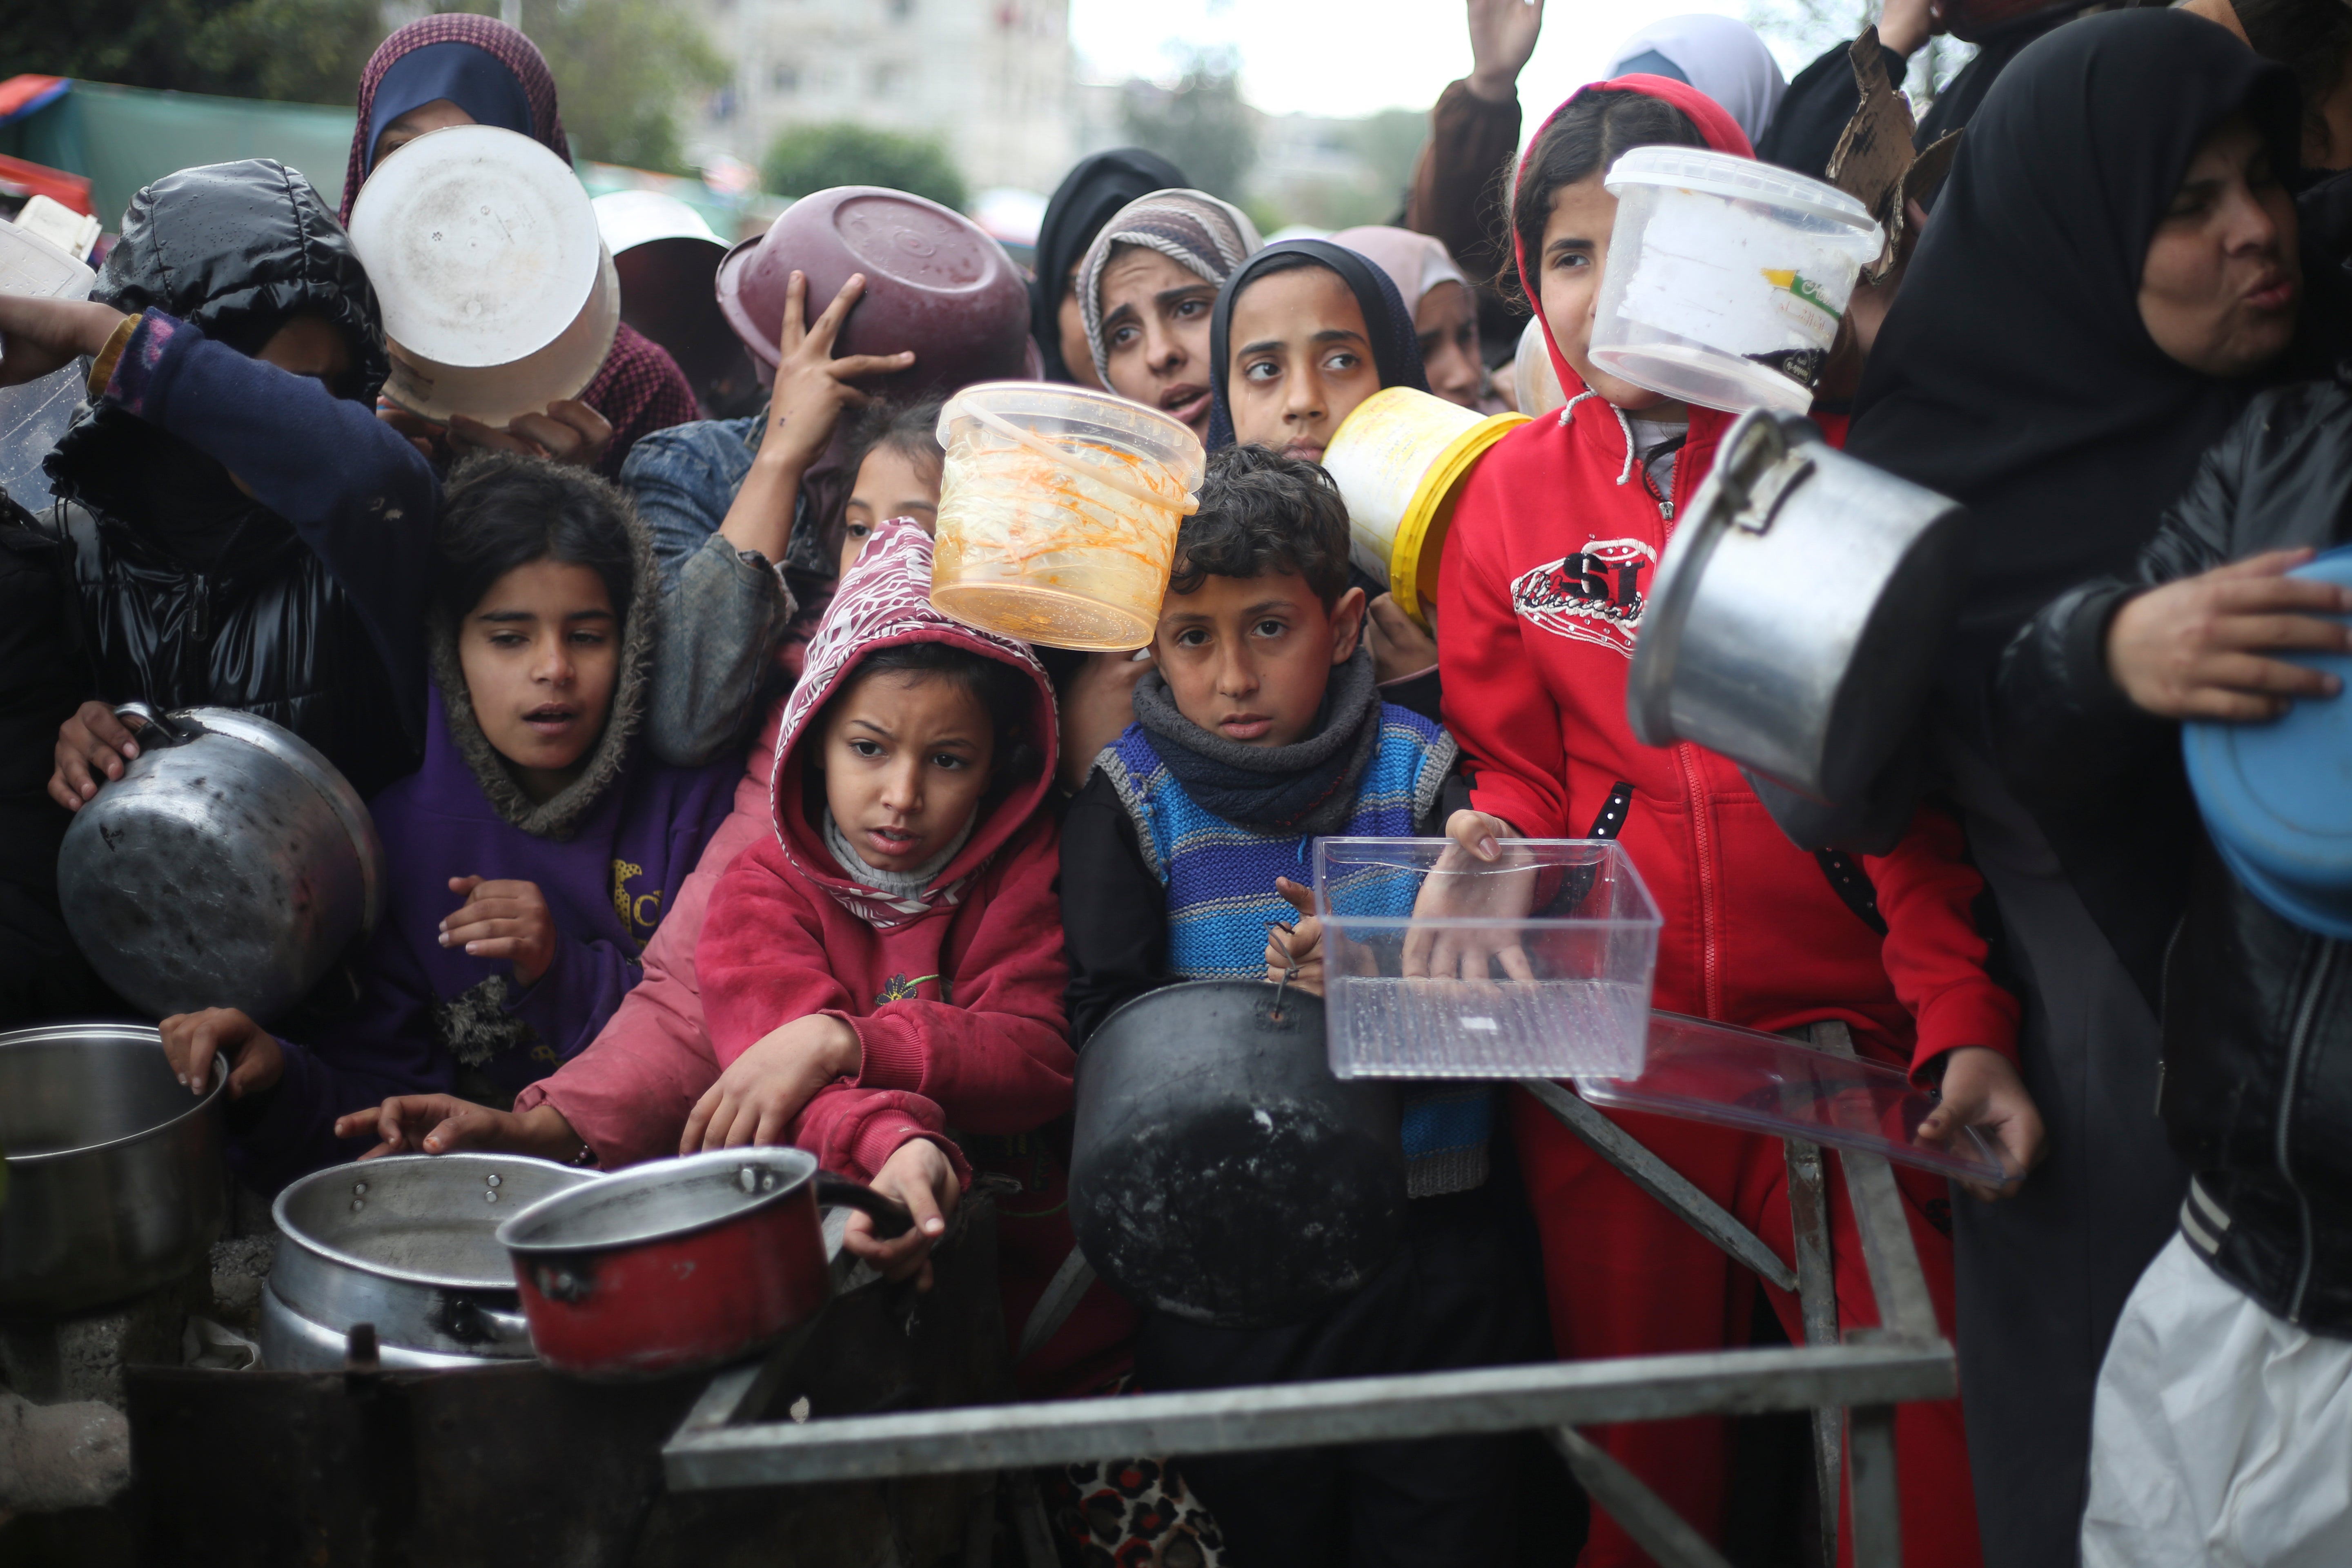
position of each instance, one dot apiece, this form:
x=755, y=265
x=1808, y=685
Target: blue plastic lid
x=2277, y=796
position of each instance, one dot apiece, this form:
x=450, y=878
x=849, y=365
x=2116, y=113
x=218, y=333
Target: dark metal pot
x=409, y=1244
x=678, y=1264
x=116, y=1178
x=1795, y=618
x=1219, y=1172
x=230, y=866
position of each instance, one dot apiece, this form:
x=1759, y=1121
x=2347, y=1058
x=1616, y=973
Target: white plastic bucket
x=1058, y=512
x=1727, y=278
x=498, y=295
x=1399, y=460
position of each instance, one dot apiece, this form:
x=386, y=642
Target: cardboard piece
x=1874, y=162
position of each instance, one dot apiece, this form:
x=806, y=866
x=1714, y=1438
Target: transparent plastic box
x=1704, y=1071
x=1439, y=965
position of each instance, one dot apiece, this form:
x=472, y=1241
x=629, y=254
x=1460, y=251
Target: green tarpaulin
x=123, y=137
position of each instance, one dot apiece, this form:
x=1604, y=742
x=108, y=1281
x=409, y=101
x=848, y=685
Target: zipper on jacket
x=1710, y=946
x=2296, y=1042
x=203, y=608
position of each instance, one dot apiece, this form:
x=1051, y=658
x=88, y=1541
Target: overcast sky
x=1354, y=57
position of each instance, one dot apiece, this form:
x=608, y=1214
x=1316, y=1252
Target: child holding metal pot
x=1259, y=727
x=526, y=863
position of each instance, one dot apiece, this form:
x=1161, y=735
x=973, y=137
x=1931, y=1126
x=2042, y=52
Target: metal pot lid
x=1750, y=478
x=2273, y=795
x=144, y=1036
x=660, y=1200
x=184, y=724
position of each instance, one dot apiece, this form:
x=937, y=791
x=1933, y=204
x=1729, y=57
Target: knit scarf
x=897, y=884
x=1307, y=787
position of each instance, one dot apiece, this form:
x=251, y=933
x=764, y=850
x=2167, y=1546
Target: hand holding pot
x=1100, y=703
x=503, y=920
x=191, y=1040
x=763, y=1091
x=41, y=335
x=569, y=432
x=1399, y=647
x=917, y=1174
x=92, y=742
x=2199, y=647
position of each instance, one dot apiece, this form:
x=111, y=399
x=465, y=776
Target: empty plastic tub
x=1058, y=511
x=2273, y=795
x=1400, y=460
x=1437, y=965
x=1727, y=278
x=497, y=292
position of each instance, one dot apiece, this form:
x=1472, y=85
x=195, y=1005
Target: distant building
x=991, y=79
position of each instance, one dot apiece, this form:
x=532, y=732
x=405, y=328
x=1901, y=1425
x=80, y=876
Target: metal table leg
x=1878, y=1505
x=1655, y=1528
x=1809, y=1205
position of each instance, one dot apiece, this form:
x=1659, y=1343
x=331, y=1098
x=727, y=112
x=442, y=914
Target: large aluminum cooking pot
x=683, y=1263
x=229, y=867
x=1218, y=1170
x=1794, y=622
x=408, y=1243
x=116, y=1180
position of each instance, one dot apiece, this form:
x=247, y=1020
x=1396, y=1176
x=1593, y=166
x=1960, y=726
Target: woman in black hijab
x=1321, y=329
x=2018, y=371
x=1095, y=188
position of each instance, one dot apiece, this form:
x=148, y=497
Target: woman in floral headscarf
x=462, y=69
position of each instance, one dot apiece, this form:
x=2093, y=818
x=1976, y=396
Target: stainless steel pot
x=117, y=1181
x=229, y=867
x=1794, y=622
x=409, y=1244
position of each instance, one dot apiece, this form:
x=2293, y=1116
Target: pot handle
x=890, y=1217
x=165, y=731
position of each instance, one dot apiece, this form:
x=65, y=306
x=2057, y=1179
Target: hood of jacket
x=883, y=601
x=235, y=251
x=559, y=816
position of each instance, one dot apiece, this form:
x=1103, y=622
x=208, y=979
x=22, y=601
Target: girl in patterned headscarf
x=462, y=69
x=1145, y=292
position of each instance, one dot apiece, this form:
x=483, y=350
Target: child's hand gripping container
x=1727, y=278
x=1536, y=964
x=1058, y=512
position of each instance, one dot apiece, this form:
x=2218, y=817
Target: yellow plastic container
x=1400, y=461
x=1058, y=512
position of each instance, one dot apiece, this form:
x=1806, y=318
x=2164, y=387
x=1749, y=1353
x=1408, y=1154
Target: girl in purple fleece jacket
x=527, y=860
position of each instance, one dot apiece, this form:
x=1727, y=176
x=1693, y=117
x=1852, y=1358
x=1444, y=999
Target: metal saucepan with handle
x=230, y=866
x=408, y=1243
x=1796, y=617
x=684, y=1263
x=1218, y=1170
x=117, y=1181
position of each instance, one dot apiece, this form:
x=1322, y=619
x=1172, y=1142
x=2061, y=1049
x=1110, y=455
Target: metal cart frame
x=1850, y=1382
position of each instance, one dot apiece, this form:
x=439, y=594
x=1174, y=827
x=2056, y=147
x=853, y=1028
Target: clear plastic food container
x=1727, y=278
x=1058, y=512
x=1757, y=1082
x=1438, y=965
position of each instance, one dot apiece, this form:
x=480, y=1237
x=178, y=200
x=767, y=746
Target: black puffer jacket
x=2257, y=1082
x=307, y=612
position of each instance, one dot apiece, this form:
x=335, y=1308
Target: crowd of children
x=705, y=829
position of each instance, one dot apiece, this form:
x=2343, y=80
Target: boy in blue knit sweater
x=1259, y=730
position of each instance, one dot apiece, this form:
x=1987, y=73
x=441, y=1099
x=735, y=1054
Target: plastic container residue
x=1727, y=278
x=2273, y=795
x=1400, y=460
x=1058, y=512
x=1757, y=1082
x=1436, y=965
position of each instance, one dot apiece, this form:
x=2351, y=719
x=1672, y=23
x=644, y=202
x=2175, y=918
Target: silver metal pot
x=229, y=867
x=117, y=1181
x=1794, y=622
x=409, y=1244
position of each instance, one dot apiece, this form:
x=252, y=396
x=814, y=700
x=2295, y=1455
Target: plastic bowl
x=1727, y=278
x=1400, y=460
x=1058, y=512
x=934, y=283
x=2274, y=795
x=496, y=293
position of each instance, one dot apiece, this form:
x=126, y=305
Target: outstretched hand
x=763, y=1091
x=191, y=1040
x=39, y=335
x=1503, y=35
x=2199, y=647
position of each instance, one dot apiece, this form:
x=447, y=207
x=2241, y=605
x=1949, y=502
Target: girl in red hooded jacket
x=1541, y=594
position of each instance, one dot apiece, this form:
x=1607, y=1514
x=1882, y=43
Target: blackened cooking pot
x=1218, y=1171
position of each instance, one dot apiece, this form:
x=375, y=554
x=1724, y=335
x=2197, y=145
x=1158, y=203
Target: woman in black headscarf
x=1301, y=333
x=2027, y=368
x=1095, y=188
